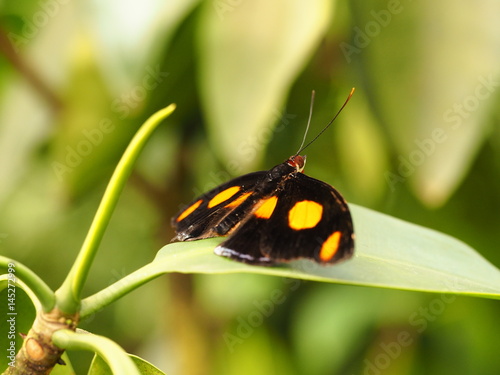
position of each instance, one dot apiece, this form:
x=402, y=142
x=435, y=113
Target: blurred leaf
x=127, y=48
x=99, y=367
x=95, y=126
x=336, y=321
x=218, y=295
x=390, y=253
x=30, y=99
x=432, y=71
x=484, y=357
x=88, y=137
x=20, y=136
x=255, y=352
x=250, y=53
x=363, y=155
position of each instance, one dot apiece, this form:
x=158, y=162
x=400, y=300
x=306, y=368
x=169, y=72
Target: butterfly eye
x=297, y=161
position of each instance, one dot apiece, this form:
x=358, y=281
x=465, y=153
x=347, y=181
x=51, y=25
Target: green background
x=419, y=140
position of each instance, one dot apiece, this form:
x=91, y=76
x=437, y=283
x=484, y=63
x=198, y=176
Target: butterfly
x=272, y=216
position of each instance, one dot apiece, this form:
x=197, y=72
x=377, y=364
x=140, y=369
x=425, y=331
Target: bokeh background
x=419, y=140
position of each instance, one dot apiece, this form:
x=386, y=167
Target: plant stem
x=68, y=296
x=38, y=354
x=97, y=301
x=116, y=358
x=43, y=293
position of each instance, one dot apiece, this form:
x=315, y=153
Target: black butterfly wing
x=210, y=214
x=310, y=219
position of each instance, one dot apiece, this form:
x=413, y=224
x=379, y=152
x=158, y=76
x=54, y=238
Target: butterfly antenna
x=313, y=93
x=302, y=148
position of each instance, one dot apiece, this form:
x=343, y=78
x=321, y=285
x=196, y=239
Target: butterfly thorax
x=281, y=172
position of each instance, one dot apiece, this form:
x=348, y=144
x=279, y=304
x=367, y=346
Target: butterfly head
x=297, y=161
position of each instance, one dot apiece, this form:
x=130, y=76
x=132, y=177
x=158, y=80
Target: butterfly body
x=272, y=217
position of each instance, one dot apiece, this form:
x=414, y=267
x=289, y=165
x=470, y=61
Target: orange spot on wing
x=238, y=200
x=305, y=215
x=188, y=210
x=330, y=246
x=267, y=208
x=223, y=196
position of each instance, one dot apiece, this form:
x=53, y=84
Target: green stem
x=68, y=295
x=96, y=302
x=116, y=358
x=40, y=290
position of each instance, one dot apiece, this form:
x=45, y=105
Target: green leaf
x=99, y=367
x=250, y=53
x=390, y=253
